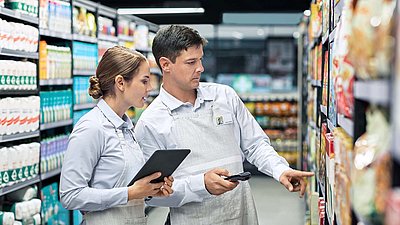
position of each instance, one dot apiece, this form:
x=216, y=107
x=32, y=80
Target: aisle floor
x=275, y=205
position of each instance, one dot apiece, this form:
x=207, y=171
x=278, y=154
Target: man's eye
x=191, y=62
x=145, y=81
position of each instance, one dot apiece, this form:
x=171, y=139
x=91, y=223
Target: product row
x=52, y=151
x=17, y=75
x=19, y=163
x=19, y=115
x=55, y=106
x=54, y=61
x=273, y=108
x=18, y=36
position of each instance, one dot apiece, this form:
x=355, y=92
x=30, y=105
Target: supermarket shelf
x=62, y=123
x=67, y=81
x=78, y=37
x=18, y=92
x=316, y=83
x=373, y=91
x=18, y=15
x=125, y=38
x=55, y=34
x=324, y=110
x=346, y=124
x=291, y=96
x=108, y=38
x=19, y=136
x=19, y=185
x=325, y=38
x=91, y=6
x=332, y=35
x=330, y=125
x=84, y=72
x=156, y=71
x=19, y=54
x=50, y=174
x=85, y=106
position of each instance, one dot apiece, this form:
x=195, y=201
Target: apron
x=210, y=136
x=133, y=212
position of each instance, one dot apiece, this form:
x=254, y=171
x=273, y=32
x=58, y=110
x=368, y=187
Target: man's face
x=187, y=69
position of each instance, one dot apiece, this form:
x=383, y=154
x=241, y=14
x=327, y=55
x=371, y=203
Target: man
x=212, y=121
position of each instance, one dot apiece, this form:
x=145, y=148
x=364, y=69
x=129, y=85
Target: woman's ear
x=165, y=64
x=119, y=82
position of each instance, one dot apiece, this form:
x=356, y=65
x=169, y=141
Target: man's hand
x=294, y=180
x=215, y=184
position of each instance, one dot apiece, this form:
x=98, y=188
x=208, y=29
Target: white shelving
x=373, y=91
x=83, y=38
x=60, y=81
x=269, y=96
x=19, y=54
x=62, y=123
x=19, y=15
x=55, y=34
x=18, y=186
x=19, y=136
x=346, y=124
x=84, y=72
x=84, y=106
x=50, y=174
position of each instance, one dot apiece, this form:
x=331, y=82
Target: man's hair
x=171, y=40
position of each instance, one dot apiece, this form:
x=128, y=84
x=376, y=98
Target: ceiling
x=214, y=9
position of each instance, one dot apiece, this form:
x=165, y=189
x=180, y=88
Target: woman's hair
x=171, y=40
x=116, y=61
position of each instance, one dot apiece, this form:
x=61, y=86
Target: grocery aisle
x=275, y=205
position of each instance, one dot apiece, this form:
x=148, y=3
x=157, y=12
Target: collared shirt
x=153, y=131
x=94, y=161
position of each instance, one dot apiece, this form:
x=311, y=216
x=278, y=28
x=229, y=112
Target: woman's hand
x=143, y=188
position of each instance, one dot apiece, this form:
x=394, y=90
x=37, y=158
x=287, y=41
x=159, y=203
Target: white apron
x=211, y=138
x=133, y=212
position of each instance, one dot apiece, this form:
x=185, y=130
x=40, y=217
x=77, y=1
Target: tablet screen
x=164, y=161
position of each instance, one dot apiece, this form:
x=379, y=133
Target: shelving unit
x=17, y=186
x=63, y=123
x=50, y=174
x=84, y=106
x=19, y=136
x=19, y=54
x=59, y=81
x=338, y=107
x=84, y=72
x=19, y=16
x=55, y=34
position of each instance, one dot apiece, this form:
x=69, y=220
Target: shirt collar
x=173, y=103
x=117, y=121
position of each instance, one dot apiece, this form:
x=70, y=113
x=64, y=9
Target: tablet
x=164, y=161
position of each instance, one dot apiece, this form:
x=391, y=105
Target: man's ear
x=119, y=82
x=165, y=64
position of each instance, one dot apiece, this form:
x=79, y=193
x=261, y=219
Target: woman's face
x=138, y=88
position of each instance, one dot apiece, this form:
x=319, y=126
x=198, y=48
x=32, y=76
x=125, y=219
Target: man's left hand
x=294, y=180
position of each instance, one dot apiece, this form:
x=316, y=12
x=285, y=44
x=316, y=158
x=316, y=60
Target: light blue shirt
x=94, y=161
x=153, y=131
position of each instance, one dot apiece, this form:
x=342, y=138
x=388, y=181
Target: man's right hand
x=215, y=184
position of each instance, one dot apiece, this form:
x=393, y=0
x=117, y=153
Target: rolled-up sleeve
x=188, y=189
x=254, y=143
x=84, y=150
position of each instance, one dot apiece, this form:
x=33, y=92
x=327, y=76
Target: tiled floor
x=275, y=205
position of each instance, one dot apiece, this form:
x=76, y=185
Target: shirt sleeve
x=255, y=144
x=83, y=152
x=189, y=189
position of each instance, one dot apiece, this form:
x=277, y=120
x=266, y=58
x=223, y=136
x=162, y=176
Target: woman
x=103, y=155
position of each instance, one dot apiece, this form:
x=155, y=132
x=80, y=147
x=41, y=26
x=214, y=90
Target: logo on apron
x=220, y=120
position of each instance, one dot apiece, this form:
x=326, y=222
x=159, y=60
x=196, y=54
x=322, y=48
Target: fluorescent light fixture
x=237, y=35
x=141, y=11
x=261, y=18
x=296, y=34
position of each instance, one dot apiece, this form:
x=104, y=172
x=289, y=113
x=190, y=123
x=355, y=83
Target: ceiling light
x=296, y=34
x=237, y=35
x=307, y=12
x=140, y=11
